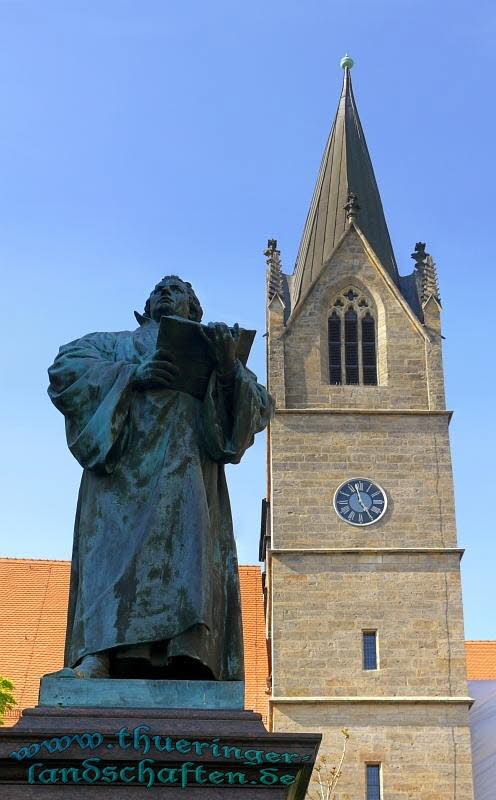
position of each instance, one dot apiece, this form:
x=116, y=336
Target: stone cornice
x=397, y=412
x=393, y=699
x=366, y=550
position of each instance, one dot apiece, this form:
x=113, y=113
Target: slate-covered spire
x=346, y=173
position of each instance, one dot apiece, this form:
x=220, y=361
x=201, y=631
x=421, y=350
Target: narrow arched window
x=352, y=341
x=351, y=345
x=369, y=360
x=334, y=332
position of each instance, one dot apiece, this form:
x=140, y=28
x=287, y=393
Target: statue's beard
x=167, y=309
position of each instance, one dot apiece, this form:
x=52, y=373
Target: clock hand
x=361, y=502
x=359, y=498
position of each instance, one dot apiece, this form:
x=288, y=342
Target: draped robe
x=154, y=557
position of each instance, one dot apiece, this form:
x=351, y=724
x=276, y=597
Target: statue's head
x=173, y=297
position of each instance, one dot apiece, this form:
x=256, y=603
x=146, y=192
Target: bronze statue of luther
x=154, y=587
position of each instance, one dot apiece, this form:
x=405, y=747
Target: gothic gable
x=399, y=336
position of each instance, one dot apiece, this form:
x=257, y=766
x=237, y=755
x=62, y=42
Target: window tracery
x=352, y=340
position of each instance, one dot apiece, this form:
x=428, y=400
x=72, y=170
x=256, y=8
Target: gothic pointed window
x=351, y=345
x=334, y=329
x=352, y=340
x=369, y=360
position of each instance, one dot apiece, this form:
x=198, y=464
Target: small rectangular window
x=373, y=781
x=370, y=649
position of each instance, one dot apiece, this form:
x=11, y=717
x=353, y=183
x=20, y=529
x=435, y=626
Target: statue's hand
x=158, y=372
x=222, y=345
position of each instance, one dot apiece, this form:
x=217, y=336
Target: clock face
x=360, y=501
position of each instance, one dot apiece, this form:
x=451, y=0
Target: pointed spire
x=430, y=287
x=274, y=270
x=426, y=274
x=346, y=173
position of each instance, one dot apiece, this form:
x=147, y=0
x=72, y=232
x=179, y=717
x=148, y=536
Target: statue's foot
x=95, y=665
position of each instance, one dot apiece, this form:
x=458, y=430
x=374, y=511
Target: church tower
x=364, y=608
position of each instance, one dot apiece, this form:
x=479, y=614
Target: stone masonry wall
x=323, y=603
x=408, y=455
x=424, y=751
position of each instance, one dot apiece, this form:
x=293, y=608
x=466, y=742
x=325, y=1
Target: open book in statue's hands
x=191, y=344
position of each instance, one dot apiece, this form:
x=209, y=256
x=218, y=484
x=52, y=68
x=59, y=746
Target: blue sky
x=140, y=138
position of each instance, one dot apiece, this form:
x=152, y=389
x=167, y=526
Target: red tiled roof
x=33, y=608
x=481, y=660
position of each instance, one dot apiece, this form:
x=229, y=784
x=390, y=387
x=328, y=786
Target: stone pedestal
x=126, y=753
x=63, y=689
